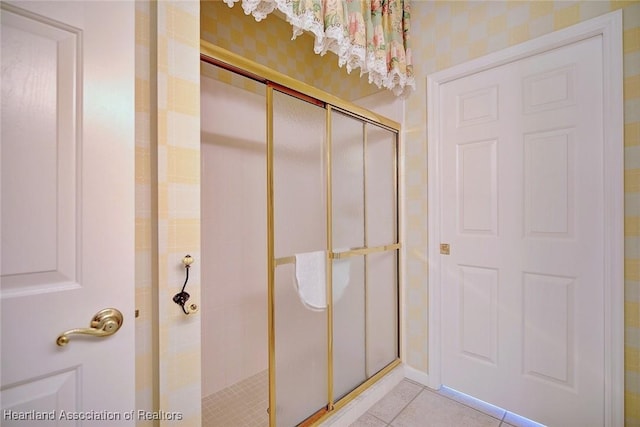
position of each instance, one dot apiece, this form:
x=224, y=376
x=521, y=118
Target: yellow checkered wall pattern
x=178, y=171
x=145, y=361
x=269, y=43
x=167, y=207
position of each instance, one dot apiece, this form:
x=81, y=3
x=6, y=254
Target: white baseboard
x=418, y=376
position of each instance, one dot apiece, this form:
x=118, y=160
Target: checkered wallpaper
x=269, y=43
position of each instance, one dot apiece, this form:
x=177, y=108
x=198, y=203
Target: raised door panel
x=40, y=89
x=67, y=206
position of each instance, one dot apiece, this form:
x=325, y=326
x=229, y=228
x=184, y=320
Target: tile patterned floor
x=409, y=404
x=412, y=405
x=243, y=404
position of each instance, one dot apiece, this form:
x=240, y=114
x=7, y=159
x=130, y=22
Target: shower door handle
x=106, y=322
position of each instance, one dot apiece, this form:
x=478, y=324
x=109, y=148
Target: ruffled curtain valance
x=372, y=35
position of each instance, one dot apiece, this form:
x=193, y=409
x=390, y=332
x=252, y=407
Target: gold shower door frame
x=274, y=80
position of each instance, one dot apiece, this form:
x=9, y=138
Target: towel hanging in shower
x=310, y=279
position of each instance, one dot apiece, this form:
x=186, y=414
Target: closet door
x=299, y=194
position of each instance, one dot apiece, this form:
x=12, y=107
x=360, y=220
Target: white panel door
x=67, y=211
x=522, y=209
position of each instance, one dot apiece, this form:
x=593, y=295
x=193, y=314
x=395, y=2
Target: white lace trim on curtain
x=332, y=39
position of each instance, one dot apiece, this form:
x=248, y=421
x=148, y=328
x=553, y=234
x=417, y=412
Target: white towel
x=311, y=279
x=340, y=277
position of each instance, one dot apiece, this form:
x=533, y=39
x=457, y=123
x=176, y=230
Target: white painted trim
x=613, y=127
x=415, y=375
x=609, y=26
x=433, y=230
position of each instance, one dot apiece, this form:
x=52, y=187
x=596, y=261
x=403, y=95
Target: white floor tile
x=394, y=402
x=368, y=420
x=429, y=409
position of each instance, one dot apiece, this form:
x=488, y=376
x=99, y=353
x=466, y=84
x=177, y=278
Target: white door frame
x=610, y=27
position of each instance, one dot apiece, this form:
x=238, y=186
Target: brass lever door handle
x=106, y=322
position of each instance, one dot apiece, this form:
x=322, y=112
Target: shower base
x=243, y=404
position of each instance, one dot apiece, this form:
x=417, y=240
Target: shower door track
x=230, y=61
x=274, y=80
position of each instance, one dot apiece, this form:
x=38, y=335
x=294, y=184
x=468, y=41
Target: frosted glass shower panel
x=348, y=325
x=301, y=352
x=299, y=229
x=382, y=310
x=299, y=177
x=381, y=197
x=233, y=230
x=347, y=181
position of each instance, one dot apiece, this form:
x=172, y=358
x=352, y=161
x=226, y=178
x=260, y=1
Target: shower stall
x=300, y=247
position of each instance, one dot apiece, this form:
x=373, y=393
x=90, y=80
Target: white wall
x=384, y=103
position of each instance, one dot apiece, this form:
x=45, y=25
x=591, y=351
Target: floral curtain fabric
x=372, y=35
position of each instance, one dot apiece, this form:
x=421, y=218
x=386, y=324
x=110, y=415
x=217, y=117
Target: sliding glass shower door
x=381, y=184
x=333, y=186
x=348, y=233
x=332, y=244
x=299, y=207
x=365, y=243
